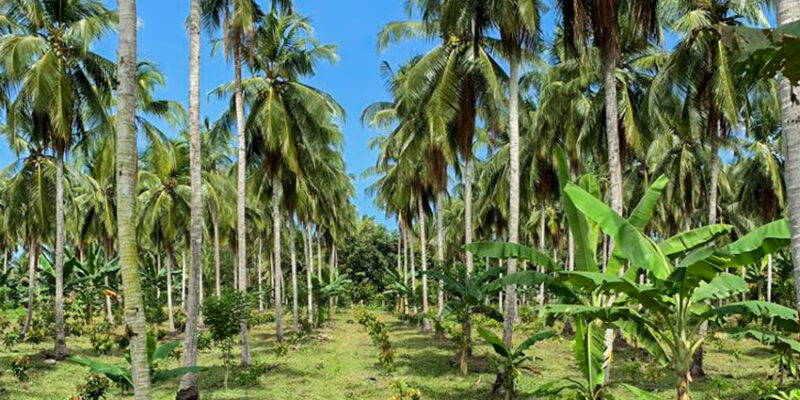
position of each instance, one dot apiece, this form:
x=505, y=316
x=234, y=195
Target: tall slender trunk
x=33, y=259
x=183, y=281
x=543, y=212
x=126, y=199
x=309, y=273
x=423, y=248
x=439, y=255
x=404, y=234
x=513, y=209
x=399, y=261
x=319, y=255
x=295, y=304
x=413, y=269
x=60, y=350
x=170, y=264
x=241, y=191
x=330, y=276
x=215, y=228
x=466, y=327
x=614, y=170
x=188, y=390
x=789, y=11
x=260, y=277
x=276, y=254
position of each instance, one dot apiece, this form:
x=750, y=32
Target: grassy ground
x=341, y=363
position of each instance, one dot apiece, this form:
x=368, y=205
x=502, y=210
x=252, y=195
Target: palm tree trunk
x=215, y=227
x=439, y=254
x=188, y=389
x=126, y=200
x=614, y=170
x=309, y=272
x=540, y=292
x=295, y=304
x=789, y=11
x=260, y=278
x=403, y=233
x=60, y=350
x=33, y=259
x=319, y=255
x=513, y=209
x=330, y=277
x=183, y=281
x=172, y=262
x=467, y=324
x=413, y=270
x=276, y=254
x=423, y=246
x=106, y=256
x=241, y=226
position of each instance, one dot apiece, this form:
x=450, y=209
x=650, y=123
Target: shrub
x=94, y=388
x=20, y=367
x=248, y=377
x=378, y=333
x=402, y=391
x=263, y=317
x=223, y=315
x=204, y=341
x=101, y=338
x=280, y=349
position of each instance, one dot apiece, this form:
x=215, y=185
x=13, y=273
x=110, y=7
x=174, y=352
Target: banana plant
x=331, y=285
x=465, y=297
x=397, y=287
x=511, y=359
x=687, y=272
x=121, y=375
x=590, y=347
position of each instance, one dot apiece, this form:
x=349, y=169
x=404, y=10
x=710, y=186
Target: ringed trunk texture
x=33, y=259
x=439, y=255
x=789, y=11
x=683, y=387
x=403, y=234
x=260, y=273
x=295, y=304
x=309, y=273
x=423, y=246
x=330, y=276
x=171, y=316
x=276, y=254
x=241, y=183
x=215, y=227
x=60, y=350
x=413, y=270
x=614, y=171
x=126, y=200
x=188, y=389
x=468, y=178
x=513, y=198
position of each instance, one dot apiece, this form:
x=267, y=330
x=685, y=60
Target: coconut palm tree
x=126, y=200
x=788, y=11
x=62, y=83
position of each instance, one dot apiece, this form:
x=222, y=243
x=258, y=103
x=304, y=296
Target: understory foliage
x=378, y=333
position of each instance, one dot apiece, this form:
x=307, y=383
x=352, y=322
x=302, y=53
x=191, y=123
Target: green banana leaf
x=638, y=249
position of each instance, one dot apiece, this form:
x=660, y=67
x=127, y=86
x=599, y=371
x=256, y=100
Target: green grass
x=341, y=363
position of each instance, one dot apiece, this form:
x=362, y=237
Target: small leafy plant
x=94, y=389
x=121, y=375
x=20, y=367
x=403, y=391
x=511, y=359
x=224, y=315
x=379, y=335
